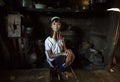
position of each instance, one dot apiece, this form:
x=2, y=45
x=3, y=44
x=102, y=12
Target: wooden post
x=113, y=34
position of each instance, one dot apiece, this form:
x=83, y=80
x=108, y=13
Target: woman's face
x=56, y=25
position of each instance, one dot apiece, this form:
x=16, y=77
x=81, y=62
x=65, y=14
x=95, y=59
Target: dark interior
x=82, y=25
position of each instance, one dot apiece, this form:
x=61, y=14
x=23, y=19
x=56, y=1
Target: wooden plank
x=25, y=43
x=15, y=52
x=5, y=50
x=20, y=51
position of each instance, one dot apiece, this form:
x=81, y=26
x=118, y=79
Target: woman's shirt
x=55, y=46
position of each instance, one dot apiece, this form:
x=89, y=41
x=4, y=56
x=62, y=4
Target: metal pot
x=28, y=30
x=39, y=6
x=32, y=58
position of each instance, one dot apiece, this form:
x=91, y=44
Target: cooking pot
x=39, y=6
x=32, y=58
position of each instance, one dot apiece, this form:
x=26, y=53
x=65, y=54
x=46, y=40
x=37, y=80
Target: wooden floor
x=43, y=75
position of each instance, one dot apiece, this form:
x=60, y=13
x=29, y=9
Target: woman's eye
x=53, y=23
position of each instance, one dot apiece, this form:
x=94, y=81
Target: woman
x=57, y=55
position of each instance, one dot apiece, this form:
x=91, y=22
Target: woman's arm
x=50, y=54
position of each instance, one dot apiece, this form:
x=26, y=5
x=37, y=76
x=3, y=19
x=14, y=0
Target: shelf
x=63, y=11
x=57, y=10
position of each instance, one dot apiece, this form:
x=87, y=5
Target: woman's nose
x=56, y=25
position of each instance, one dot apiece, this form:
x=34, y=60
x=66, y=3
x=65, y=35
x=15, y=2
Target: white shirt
x=54, y=46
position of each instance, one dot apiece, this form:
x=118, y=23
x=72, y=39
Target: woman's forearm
x=51, y=55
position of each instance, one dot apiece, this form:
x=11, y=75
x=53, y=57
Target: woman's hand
x=66, y=52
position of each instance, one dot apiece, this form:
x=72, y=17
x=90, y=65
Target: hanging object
x=14, y=25
x=26, y=3
x=85, y=4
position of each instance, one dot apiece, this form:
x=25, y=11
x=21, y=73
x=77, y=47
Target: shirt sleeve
x=48, y=44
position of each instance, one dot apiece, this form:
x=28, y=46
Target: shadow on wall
x=73, y=35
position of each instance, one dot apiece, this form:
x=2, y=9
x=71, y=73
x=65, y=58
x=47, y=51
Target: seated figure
x=57, y=55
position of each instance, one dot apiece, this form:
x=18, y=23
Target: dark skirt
x=60, y=60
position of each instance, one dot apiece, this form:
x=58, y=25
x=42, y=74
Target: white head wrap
x=55, y=17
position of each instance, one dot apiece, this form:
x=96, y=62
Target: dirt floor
x=43, y=75
x=95, y=76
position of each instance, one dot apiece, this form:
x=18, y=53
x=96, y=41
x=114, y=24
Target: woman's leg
x=59, y=62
